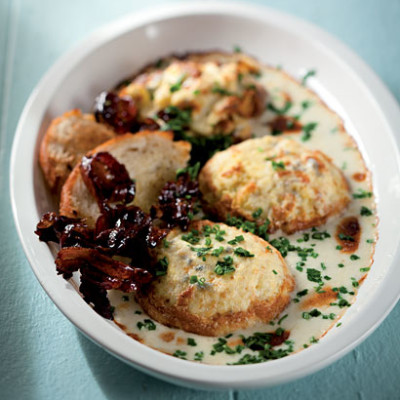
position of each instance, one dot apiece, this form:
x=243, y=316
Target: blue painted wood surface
x=42, y=356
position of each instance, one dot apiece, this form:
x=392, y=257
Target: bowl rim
x=103, y=332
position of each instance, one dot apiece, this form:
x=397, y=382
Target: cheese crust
x=275, y=179
x=221, y=91
x=258, y=288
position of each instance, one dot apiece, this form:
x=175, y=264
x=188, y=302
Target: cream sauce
x=339, y=271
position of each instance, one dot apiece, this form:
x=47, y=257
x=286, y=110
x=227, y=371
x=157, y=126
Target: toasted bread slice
x=66, y=141
x=151, y=159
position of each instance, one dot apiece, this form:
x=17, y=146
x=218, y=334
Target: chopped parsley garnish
x=339, y=247
x=342, y=236
x=199, y=356
x=237, y=49
x=222, y=346
x=278, y=166
x=203, y=148
x=166, y=243
x=176, y=86
x=237, y=240
x=180, y=354
x=305, y=238
x=320, y=235
x=241, y=252
x=178, y=120
x=302, y=293
x=221, y=91
x=161, y=267
x=365, y=211
x=260, y=342
x=138, y=312
x=307, y=130
x=280, y=111
x=200, y=281
x=257, y=213
x=196, y=92
x=192, y=170
x=319, y=289
x=313, y=275
x=340, y=265
x=370, y=241
x=191, y=342
x=125, y=298
x=148, y=324
x=310, y=314
x=354, y=282
x=217, y=252
x=362, y=194
x=200, y=251
x=283, y=245
x=225, y=266
x=365, y=269
x=275, y=273
x=249, y=226
x=280, y=320
x=343, y=303
x=192, y=237
x=308, y=74
x=354, y=257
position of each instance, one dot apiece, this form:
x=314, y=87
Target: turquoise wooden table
x=42, y=356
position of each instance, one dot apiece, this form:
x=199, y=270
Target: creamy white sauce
x=337, y=269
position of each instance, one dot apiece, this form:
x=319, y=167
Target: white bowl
x=345, y=83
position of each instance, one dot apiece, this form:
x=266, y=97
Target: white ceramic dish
x=344, y=82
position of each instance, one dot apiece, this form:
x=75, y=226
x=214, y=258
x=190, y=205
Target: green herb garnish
x=313, y=275
x=278, y=166
x=224, y=267
x=308, y=74
x=161, y=267
x=307, y=130
x=148, y=324
x=241, y=252
x=221, y=91
x=180, y=354
x=362, y=194
x=199, y=356
x=280, y=111
x=192, y=170
x=365, y=211
x=257, y=213
x=176, y=86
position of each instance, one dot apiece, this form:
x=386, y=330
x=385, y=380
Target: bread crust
x=77, y=202
x=178, y=315
x=67, y=139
